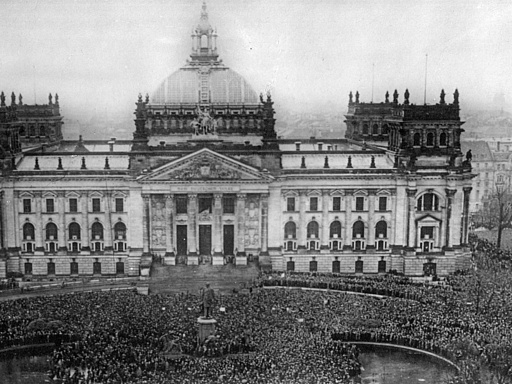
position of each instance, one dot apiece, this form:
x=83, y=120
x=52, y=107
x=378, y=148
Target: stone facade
x=187, y=196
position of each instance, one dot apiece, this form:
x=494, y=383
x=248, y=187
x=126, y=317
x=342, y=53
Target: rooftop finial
x=387, y=97
x=456, y=97
x=13, y=99
x=20, y=99
x=357, y=97
x=350, y=97
x=50, y=98
x=441, y=97
x=395, y=97
x=406, y=96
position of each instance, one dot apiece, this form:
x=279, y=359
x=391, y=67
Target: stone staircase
x=173, y=279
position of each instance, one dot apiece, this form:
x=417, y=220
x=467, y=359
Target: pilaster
x=240, y=223
x=348, y=219
x=38, y=236
x=301, y=238
x=145, y=225
x=325, y=220
x=169, y=224
x=450, y=215
x=62, y=221
x=411, y=226
x=192, y=224
x=264, y=224
x=217, y=224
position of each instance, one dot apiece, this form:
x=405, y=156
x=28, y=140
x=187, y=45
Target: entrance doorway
x=181, y=240
x=205, y=240
x=229, y=240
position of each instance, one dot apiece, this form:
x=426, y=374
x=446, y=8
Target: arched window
x=442, y=139
x=375, y=129
x=428, y=202
x=366, y=129
x=97, y=231
x=358, y=230
x=32, y=130
x=204, y=41
x=335, y=229
x=313, y=230
x=42, y=130
x=430, y=139
x=381, y=230
x=355, y=127
x=28, y=231
x=51, y=231
x=22, y=130
x=416, y=140
x=74, y=231
x=290, y=230
x=120, y=231
x=385, y=129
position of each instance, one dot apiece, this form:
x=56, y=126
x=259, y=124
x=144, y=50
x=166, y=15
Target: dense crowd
x=273, y=335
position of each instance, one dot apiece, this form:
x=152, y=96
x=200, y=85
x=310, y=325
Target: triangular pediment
x=205, y=165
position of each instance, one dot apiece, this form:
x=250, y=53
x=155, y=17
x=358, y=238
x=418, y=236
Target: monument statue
x=208, y=297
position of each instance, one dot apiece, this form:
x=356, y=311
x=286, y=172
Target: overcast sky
x=98, y=55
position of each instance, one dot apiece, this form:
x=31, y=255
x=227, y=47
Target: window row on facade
x=429, y=268
x=96, y=204
x=74, y=268
x=426, y=202
x=205, y=204
x=360, y=203
x=359, y=236
x=74, y=237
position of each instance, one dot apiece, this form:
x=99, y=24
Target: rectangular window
x=96, y=205
x=50, y=207
x=297, y=146
x=205, y=204
x=181, y=204
x=73, y=205
x=383, y=203
x=119, y=205
x=359, y=203
x=290, y=204
x=336, y=203
x=313, y=204
x=228, y=204
x=27, y=205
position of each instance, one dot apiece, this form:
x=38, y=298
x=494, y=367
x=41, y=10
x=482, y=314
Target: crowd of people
x=272, y=335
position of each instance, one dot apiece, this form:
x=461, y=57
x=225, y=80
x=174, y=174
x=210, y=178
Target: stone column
x=411, y=226
x=303, y=230
x=465, y=228
x=450, y=193
x=325, y=220
x=264, y=224
x=217, y=224
x=39, y=225
x=145, y=225
x=240, y=223
x=2, y=224
x=371, y=219
x=62, y=221
x=348, y=219
x=392, y=229
x=109, y=246
x=192, y=224
x=169, y=224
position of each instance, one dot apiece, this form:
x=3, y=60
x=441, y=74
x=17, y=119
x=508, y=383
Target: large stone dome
x=199, y=84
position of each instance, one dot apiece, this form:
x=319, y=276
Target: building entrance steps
x=170, y=279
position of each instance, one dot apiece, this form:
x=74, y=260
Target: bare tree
x=496, y=212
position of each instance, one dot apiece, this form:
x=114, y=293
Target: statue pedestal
x=206, y=327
